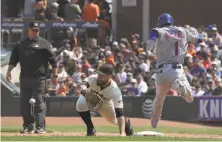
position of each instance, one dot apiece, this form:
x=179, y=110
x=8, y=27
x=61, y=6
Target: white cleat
x=181, y=89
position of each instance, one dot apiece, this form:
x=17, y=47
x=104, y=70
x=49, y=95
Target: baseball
x=32, y=101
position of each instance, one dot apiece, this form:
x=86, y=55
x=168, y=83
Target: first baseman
x=100, y=93
x=167, y=45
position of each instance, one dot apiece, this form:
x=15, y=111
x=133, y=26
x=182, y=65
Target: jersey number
x=176, y=49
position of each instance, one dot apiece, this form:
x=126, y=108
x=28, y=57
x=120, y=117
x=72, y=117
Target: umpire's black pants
x=33, y=87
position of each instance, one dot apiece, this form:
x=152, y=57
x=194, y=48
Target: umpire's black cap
x=34, y=25
x=106, y=69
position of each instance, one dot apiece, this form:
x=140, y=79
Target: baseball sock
x=86, y=117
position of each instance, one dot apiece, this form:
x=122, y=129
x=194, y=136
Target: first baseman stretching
x=101, y=94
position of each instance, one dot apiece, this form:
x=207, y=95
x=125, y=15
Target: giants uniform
x=111, y=95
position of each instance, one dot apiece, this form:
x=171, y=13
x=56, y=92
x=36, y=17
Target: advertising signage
x=52, y=24
x=209, y=108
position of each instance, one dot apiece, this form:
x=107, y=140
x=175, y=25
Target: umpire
x=33, y=53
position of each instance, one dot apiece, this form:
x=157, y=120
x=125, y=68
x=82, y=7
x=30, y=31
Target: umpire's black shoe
x=40, y=131
x=91, y=132
x=27, y=130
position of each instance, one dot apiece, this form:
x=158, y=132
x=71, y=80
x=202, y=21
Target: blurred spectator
x=115, y=46
x=62, y=74
x=188, y=62
x=202, y=46
x=198, y=90
x=61, y=11
x=143, y=65
x=206, y=62
x=215, y=63
x=132, y=89
x=91, y=12
x=76, y=77
x=188, y=75
x=219, y=55
x=136, y=39
x=203, y=80
x=121, y=74
x=104, y=7
x=137, y=70
x=129, y=78
x=77, y=52
x=91, y=56
x=197, y=70
x=191, y=49
x=91, y=71
x=105, y=27
x=72, y=11
x=68, y=63
x=214, y=34
x=85, y=65
x=194, y=81
x=51, y=12
x=209, y=88
x=202, y=53
x=141, y=85
x=29, y=9
x=93, y=43
x=202, y=31
x=151, y=85
x=52, y=86
x=63, y=90
x=110, y=58
x=40, y=8
x=218, y=90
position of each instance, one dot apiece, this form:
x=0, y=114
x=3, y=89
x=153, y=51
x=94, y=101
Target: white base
x=148, y=133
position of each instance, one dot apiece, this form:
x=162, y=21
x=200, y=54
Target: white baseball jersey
x=171, y=46
x=112, y=92
x=112, y=99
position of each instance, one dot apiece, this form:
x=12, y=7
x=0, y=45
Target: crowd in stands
x=203, y=63
x=61, y=10
x=134, y=74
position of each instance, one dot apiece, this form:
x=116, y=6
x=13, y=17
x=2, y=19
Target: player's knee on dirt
x=81, y=105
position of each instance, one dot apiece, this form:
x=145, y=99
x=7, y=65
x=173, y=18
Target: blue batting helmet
x=165, y=19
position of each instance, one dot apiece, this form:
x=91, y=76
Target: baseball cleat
x=181, y=90
x=40, y=131
x=91, y=132
x=27, y=131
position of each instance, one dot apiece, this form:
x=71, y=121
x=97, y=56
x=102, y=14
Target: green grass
x=215, y=131
x=29, y=138
x=111, y=129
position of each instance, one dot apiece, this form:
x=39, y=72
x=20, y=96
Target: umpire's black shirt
x=33, y=56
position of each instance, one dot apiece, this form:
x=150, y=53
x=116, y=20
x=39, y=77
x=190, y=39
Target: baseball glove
x=93, y=99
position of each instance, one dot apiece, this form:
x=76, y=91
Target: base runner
x=167, y=45
x=101, y=94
